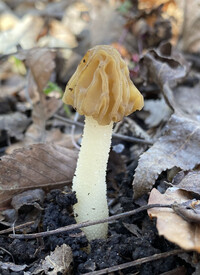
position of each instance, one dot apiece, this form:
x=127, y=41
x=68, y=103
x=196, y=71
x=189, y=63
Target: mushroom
x=101, y=90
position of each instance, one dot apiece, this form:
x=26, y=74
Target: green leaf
x=52, y=87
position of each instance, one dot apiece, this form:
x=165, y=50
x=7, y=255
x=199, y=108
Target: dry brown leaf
x=179, y=146
x=57, y=262
x=42, y=111
x=172, y=226
x=39, y=165
x=41, y=63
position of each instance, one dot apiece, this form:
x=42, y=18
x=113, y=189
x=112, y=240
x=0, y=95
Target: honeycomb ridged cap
x=101, y=87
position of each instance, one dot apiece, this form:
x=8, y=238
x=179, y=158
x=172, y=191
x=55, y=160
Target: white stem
x=90, y=177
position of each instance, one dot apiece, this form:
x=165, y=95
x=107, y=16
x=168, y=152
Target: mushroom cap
x=101, y=87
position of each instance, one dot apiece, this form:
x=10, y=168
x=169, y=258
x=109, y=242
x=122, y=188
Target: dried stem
x=17, y=227
x=136, y=262
x=88, y=223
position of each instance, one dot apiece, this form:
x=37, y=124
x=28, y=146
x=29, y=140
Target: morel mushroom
x=101, y=90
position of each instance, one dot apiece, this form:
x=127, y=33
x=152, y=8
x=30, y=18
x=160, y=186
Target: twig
x=87, y=223
x=24, y=51
x=68, y=121
x=8, y=230
x=5, y=250
x=122, y=137
x=136, y=262
x=132, y=139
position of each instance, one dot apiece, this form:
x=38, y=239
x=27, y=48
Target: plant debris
x=156, y=149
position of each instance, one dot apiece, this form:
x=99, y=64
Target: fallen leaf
x=172, y=226
x=15, y=124
x=42, y=111
x=150, y=27
x=31, y=197
x=158, y=112
x=39, y=165
x=30, y=204
x=178, y=146
x=25, y=33
x=50, y=106
x=190, y=182
x=41, y=63
x=189, y=210
x=133, y=229
x=166, y=67
x=180, y=140
x=170, y=10
x=58, y=261
x=11, y=266
x=187, y=100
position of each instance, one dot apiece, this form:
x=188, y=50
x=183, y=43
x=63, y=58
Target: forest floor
x=153, y=170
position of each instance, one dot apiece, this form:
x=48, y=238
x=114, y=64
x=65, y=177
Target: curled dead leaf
x=166, y=67
x=190, y=182
x=179, y=146
x=172, y=226
x=31, y=197
x=57, y=262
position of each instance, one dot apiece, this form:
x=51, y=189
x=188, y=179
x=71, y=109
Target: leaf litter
x=163, y=68
x=40, y=165
x=179, y=141
x=171, y=225
x=59, y=260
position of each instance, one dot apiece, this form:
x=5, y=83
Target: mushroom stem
x=89, y=181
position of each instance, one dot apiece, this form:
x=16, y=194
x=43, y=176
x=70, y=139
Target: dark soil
x=121, y=246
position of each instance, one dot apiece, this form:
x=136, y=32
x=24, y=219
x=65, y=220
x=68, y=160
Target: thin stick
x=122, y=137
x=5, y=250
x=17, y=227
x=87, y=223
x=136, y=262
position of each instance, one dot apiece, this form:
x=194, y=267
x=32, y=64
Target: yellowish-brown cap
x=101, y=87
